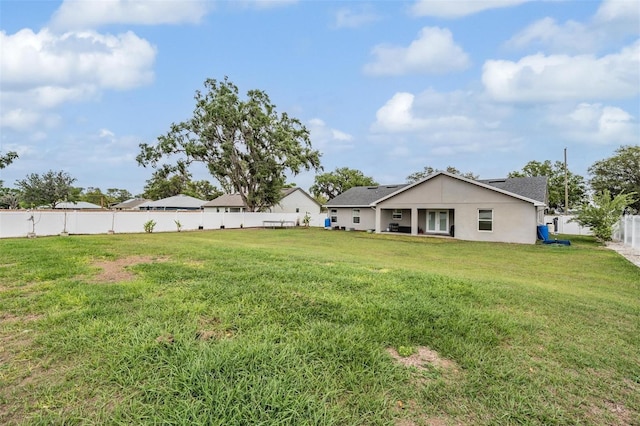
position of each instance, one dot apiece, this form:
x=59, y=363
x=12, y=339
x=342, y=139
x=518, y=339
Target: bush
x=149, y=225
x=603, y=213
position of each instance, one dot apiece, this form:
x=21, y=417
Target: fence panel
x=19, y=223
x=565, y=226
x=628, y=231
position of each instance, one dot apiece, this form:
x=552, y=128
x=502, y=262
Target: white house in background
x=504, y=210
x=78, y=205
x=177, y=202
x=294, y=200
x=131, y=204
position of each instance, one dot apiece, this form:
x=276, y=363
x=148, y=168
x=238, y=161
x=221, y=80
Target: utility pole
x=566, y=184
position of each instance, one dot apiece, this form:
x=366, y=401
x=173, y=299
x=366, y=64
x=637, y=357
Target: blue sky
x=386, y=87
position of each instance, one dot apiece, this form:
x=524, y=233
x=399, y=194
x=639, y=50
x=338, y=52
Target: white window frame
x=355, y=215
x=437, y=222
x=334, y=215
x=484, y=220
x=396, y=214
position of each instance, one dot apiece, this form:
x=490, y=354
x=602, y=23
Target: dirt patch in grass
x=114, y=271
x=422, y=358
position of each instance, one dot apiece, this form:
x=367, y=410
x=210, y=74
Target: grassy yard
x=302, y=326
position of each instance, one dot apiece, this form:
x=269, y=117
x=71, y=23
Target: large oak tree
x=247, y=146
x=331, y=184
x=6, y=159
x=428, y=170
x=49, y=189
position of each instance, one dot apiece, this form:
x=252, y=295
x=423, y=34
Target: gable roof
x=235, y=200
x=130, y=204
x=179, y=201
x=533, y=185
x=363, y=196
x=71, y=205
x=530, y=189
x=226, y=200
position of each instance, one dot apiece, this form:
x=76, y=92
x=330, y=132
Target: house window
x=356, y=215
x=396, y=215
x=334, y=215
x=485, y=220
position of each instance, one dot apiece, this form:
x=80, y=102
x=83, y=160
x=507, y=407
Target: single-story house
x=177, y=202
x=77, y=205
x=131, y=204
x=294, y=200
x=505, y=210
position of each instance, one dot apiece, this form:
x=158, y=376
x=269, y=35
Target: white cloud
x=441, y=123
x=596, y=124
x=402, y=114
x=540, y=78
x=326, y=138
x=88, y=14
x=434, y=51
x=43, y=70
x=350, y=18
x=74, y=59
x=457, y=9
x=615, y=19
x=262, y=4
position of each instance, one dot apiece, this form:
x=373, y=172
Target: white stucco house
x=444, y=204
x=294, y=200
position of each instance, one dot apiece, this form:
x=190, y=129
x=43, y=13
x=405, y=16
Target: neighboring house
x=131, y=204
x=505, y=210
x=294, y=200
x=78, y=205
x=177, y=202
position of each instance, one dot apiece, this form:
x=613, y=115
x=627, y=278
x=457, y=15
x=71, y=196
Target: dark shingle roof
x=226, y=200
x=363, y=195
x=534, y=187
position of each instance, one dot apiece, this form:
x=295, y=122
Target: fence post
x=633, y=230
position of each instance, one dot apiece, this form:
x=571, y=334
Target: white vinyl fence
x=628, y=231
x=22, y=223
x=565, y=226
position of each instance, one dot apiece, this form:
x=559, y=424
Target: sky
x=384, y=87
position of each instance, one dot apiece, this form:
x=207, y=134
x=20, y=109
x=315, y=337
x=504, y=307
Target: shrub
x=149, y=225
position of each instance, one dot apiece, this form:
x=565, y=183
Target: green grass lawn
x=295, y=326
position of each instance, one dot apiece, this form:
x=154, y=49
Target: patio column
x=378, y=219
x=414, y=221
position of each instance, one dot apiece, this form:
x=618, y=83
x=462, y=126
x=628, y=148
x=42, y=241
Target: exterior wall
x=514, y=220
x=297, y=200
x=345, y=218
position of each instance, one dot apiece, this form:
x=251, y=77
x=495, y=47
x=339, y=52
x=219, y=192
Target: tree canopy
x=428, y=170
x=166, y=183
x=618, y=174
x=555, y=182
x=112, y=196
x=49, y=189
x=330, y=185
x=6, y=159
x=247, y=146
